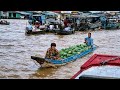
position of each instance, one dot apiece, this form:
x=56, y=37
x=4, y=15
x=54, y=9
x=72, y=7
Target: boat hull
x=35, y=32
x=57, y=63
x=65, y=32
x=96, y=60
x=5, y=23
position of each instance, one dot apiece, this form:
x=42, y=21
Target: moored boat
x=33, y=32
x=4, y=23
x=52, y=31
x=55, y=63
x=100, y=67
x=63, y=32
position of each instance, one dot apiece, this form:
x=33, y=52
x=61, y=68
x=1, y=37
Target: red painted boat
x=100, y=66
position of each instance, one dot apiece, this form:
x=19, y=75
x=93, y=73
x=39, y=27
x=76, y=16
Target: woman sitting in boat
x=89, y=40
x=52, y=52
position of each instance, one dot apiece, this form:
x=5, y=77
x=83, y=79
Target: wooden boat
x=35, y=32
x=100, y=67
x=63, y=32
x=94, y=26
x=52, y=31
x=7, y=23
x=55, y=63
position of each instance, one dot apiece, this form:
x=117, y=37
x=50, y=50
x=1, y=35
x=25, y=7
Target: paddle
x=96, y=45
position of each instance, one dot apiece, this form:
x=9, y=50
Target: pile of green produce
x=73, y=50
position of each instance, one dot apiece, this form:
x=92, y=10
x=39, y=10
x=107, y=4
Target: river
x=16, y=49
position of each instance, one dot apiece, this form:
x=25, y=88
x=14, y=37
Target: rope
x=106, y=61
x=113, y=59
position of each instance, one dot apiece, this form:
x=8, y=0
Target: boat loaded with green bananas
x=67, y=55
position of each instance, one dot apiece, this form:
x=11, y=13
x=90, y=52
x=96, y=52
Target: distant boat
x=2, y=22
x=34, y=32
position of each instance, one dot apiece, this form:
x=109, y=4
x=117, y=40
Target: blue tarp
x=50, y=13
x=43, y=18
x=24, y=13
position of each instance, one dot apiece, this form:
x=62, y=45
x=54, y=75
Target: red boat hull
x=96, y=60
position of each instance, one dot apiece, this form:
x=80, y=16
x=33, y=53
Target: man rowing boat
x=52, y=52
x=89, y=40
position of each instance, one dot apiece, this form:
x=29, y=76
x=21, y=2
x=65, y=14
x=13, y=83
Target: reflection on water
x=45, y=72
x=16, y=49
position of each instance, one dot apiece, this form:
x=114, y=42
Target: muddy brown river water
x=16, y=49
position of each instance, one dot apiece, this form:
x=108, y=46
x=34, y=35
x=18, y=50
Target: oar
x=96, y=45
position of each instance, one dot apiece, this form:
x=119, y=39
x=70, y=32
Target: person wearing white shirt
x=42, y=27
x=51, y=27
x=67, y=29
x=29, y=28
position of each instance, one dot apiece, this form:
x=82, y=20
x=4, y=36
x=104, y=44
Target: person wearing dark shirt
x=52, y=52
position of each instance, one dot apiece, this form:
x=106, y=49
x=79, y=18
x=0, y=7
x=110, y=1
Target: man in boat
x=29, y=28
x=51, y=27
x=68, y=28
x=42, y=27
x=37, y=25
x=65, y=22
x=89, y=40
x=52, y=52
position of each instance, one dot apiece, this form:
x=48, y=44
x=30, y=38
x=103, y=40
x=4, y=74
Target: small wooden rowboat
x=6, y=23
x=100, y=67
x=55, y=63
x=35, y=32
